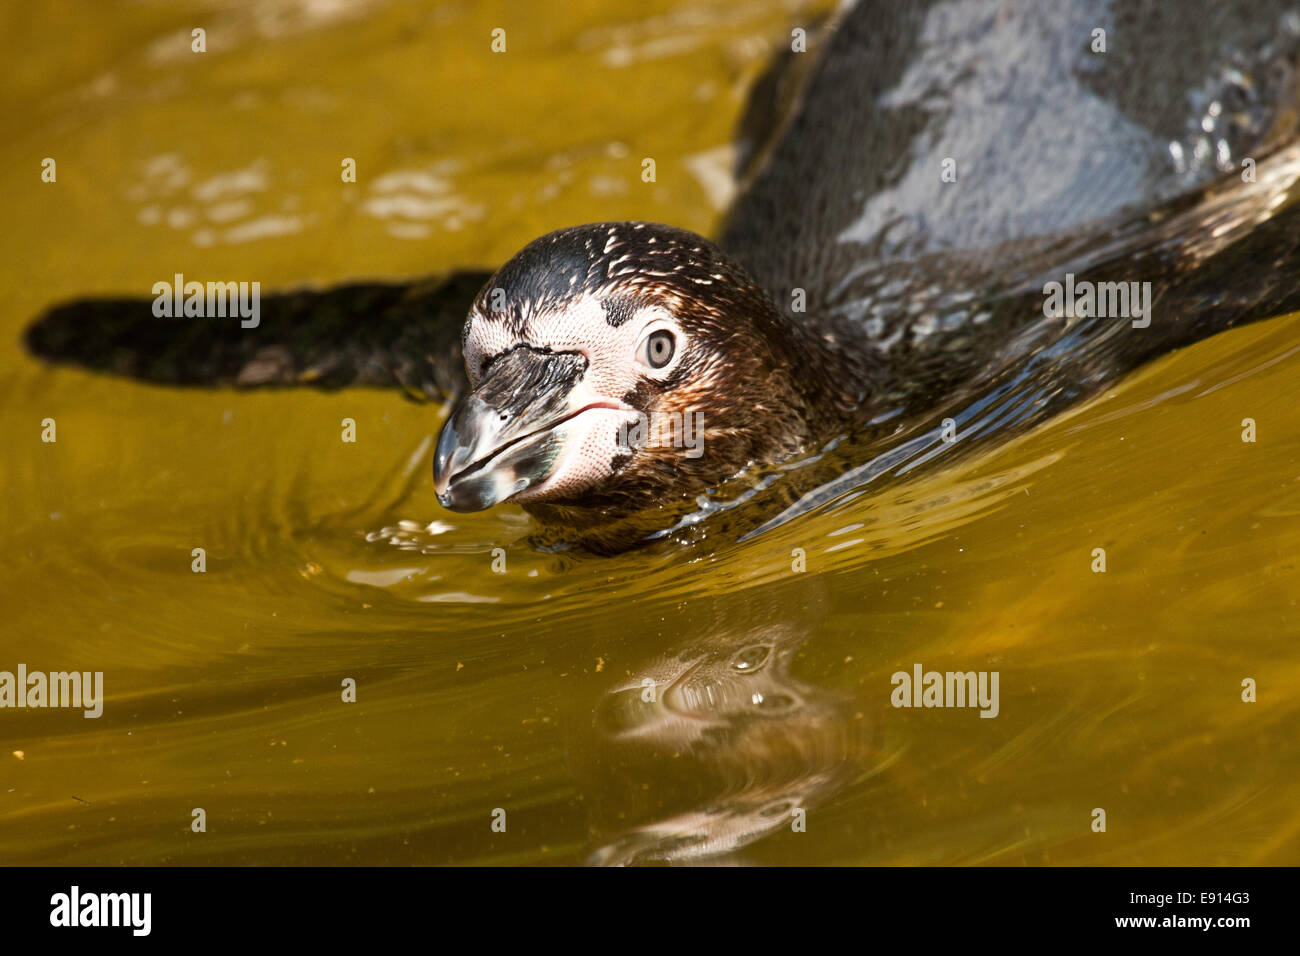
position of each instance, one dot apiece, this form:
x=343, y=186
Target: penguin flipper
x=386, y=335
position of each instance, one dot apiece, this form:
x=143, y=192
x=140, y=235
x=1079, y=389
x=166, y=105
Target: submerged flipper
x=396, y=335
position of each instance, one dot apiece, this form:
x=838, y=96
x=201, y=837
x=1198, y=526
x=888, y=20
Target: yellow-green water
x=521, y=690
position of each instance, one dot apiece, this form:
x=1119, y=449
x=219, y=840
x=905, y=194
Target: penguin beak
x=509, y=434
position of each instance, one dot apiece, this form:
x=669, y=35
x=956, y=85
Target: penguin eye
x=659, y=348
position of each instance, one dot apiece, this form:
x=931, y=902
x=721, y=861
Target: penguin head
x=618, y=366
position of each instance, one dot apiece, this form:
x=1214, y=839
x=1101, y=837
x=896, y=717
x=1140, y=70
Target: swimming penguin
x=959, y=215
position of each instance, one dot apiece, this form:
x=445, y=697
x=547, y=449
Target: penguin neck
x=830, y=367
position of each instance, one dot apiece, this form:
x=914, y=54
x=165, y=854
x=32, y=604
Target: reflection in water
x=716, y=744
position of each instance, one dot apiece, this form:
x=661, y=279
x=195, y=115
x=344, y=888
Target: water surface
x=523, y=690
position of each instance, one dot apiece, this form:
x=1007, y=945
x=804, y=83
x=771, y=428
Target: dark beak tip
x=505, y=426
x=450, y=502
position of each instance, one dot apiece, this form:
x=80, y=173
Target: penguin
x=955, y=219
